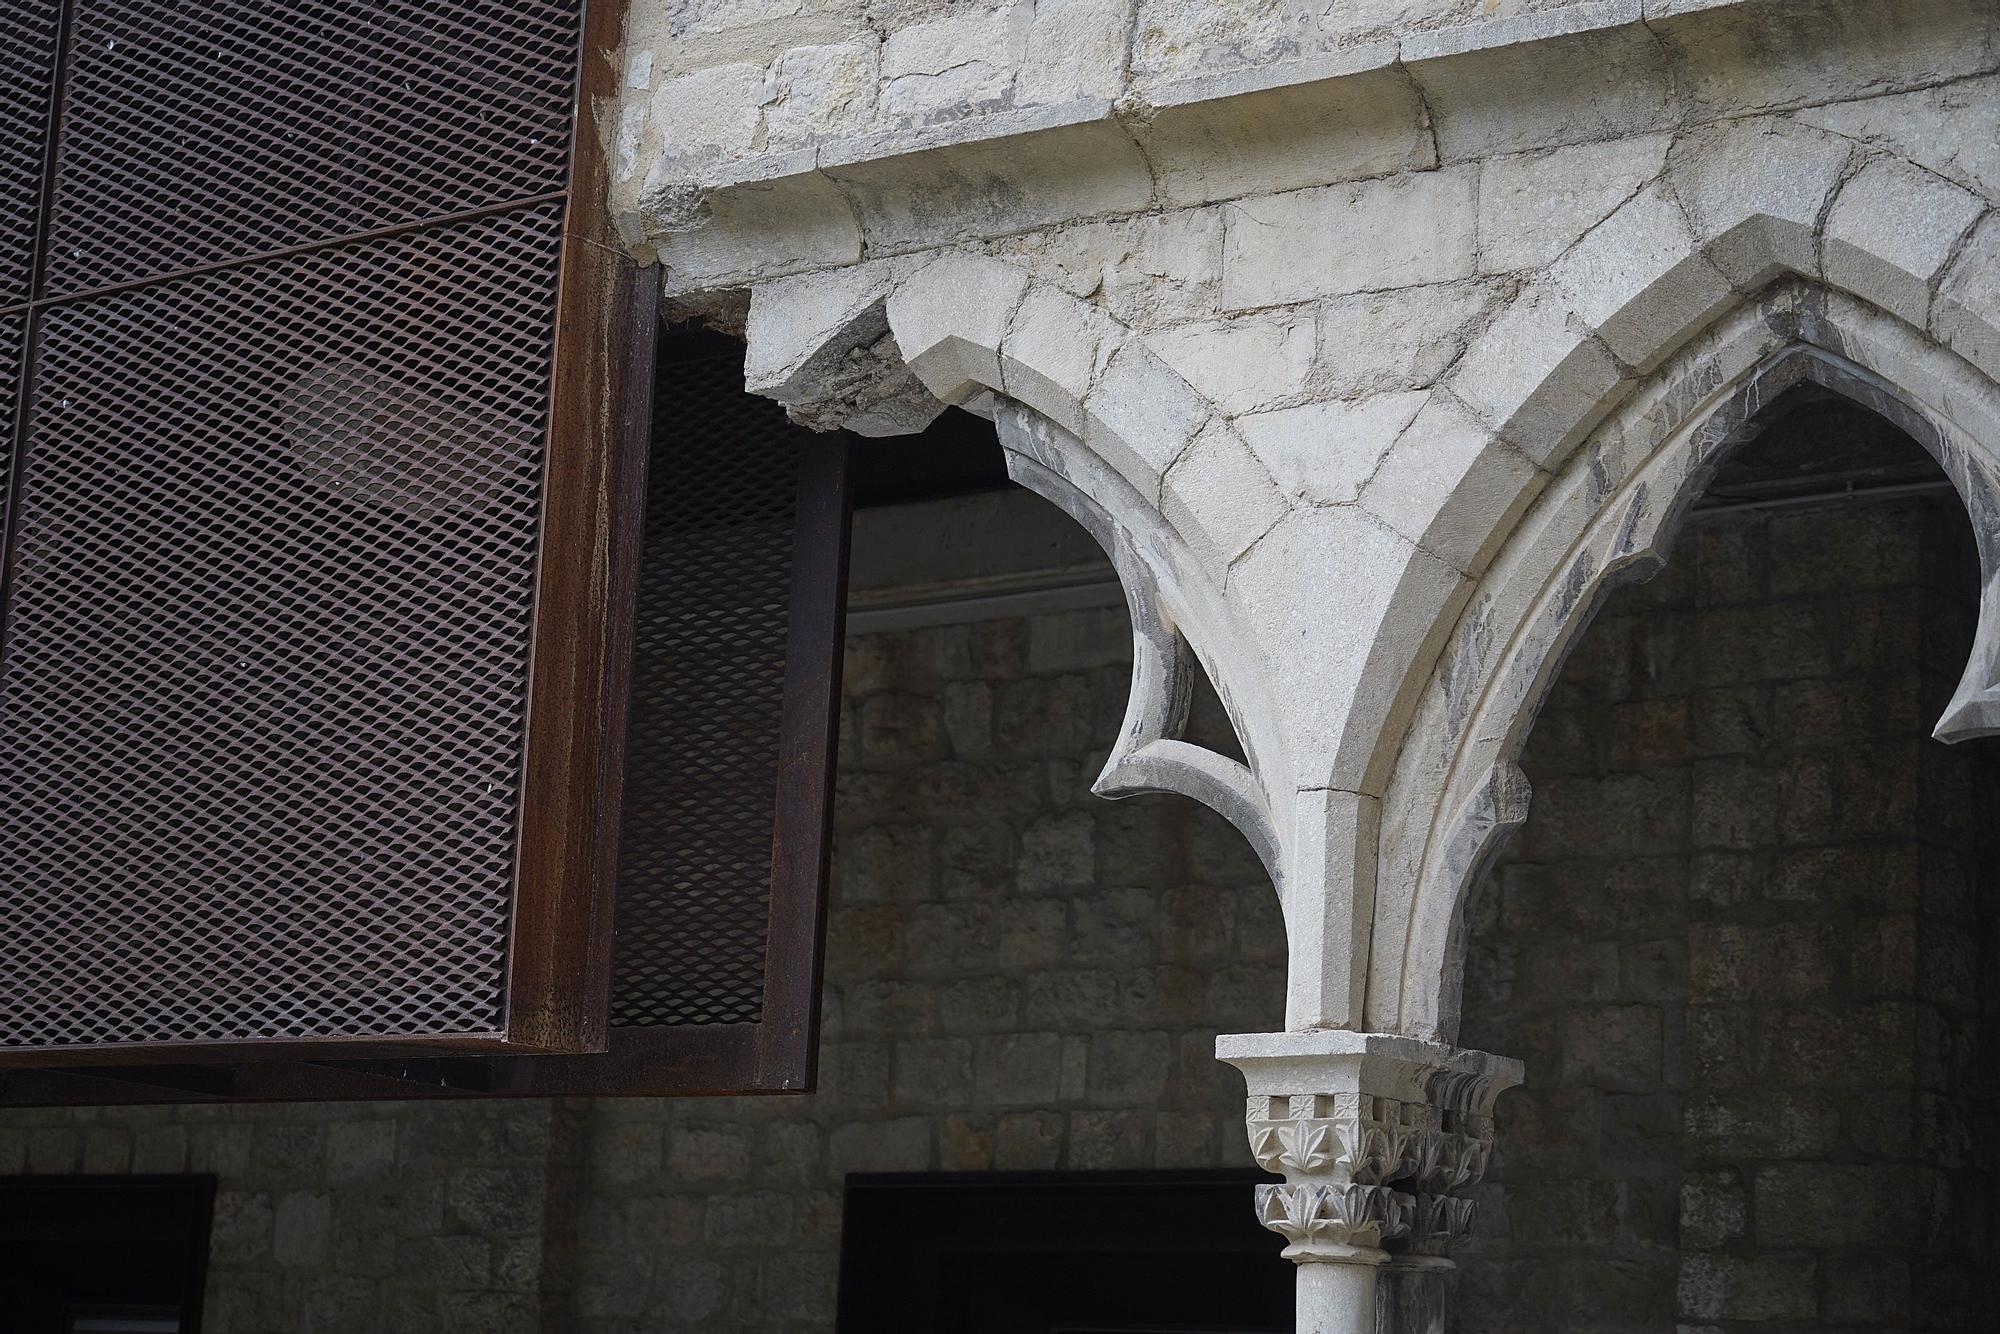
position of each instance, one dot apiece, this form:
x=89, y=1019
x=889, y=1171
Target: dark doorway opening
x=1060, y=1253
x=104, y=1255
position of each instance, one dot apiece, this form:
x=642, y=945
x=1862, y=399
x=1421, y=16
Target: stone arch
x=1739, y=209
x=1093, y=420
x=1609, y=518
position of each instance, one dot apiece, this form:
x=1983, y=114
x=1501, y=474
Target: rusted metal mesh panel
x=694, y=878
x=200, y=132
x=266, y=638
x=27, y=65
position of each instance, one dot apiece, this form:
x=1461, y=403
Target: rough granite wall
x=1020, y=976
x=1738, y=947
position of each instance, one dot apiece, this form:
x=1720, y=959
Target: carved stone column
x=1378, y=1138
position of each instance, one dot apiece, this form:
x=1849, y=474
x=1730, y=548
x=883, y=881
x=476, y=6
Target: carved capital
x=1377, y=1137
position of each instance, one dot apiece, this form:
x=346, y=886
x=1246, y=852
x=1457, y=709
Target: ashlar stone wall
x=1019, y=976
x=1740, y=946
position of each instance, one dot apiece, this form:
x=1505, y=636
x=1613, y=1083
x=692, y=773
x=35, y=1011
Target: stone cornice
x=727, y=222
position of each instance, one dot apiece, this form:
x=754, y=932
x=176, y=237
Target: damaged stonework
x=1372, y=364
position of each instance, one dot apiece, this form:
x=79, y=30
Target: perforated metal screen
x=282, y=356
x=331, y=579
x=198, y=133
x=708, y=697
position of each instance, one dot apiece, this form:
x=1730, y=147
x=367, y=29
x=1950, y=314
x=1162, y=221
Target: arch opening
x=1744, y=936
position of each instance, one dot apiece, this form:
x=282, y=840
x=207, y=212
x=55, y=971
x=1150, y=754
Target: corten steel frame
x=777, y=1053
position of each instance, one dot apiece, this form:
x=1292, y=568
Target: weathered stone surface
x=1892, y=228
x=1926, y=127
x=1287, y=138
x=1243, y=364
x=1756, y=191
x=1639, y=281
x=1322, y=453
x=1599, y=85
x=1534, y=206
x=1222, y=493
x=816, y=92
x=959, y=65
x=1967, y=312
x=1403, y=231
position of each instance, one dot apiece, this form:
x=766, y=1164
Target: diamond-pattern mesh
x=27, y=65
x=201, y=132
x=266, y=639
x=13, y=328
x=694, y=878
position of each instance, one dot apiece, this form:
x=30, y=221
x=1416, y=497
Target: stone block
x=301, y=1222
x=933, y=1072
x=1245, y=363
x=1757, y=1287
x=1367, y=125
x=1378, y=342
x=689, y=1153
x=1401, y=231
x=711, y=113
x=1967, y=313
x=1534, y=206
x=1579, y=89
x=241, y=1234
x=952, y=937
x=1448, y=484
x=1753, y=1124
x=1639, y=281
x=950, y=319
x=161, y=1150
x=1715, y=1209
x=1141, y=415
x=1074, y=49
x=1107, y=1140
x=1322, y=453
x=1538, y=379
x=1057, y=852
x=1130, y=1068
x=1613, y=1047
x=1756, y=191
x=1029, y=1141
x=1833, y=1205
x=992, y=187
x=1221, y=496
x=499, y=1200
x=107, y=1150
x=757, y=1218
x=880, y=1146
x=1769, y=54
x=958, y=65
x=817, y=92
x=1017, y=1070
x=1891, y=232
x=1054, y=352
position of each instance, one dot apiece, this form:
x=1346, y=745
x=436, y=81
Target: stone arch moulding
x=1609, y=518
x=1095, y=422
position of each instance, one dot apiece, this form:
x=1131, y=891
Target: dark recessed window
x=98, y=1255
x=1060, y=1253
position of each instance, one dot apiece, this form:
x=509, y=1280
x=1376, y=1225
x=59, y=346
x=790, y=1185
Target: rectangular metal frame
x=776, y=1055
x=558, y=957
